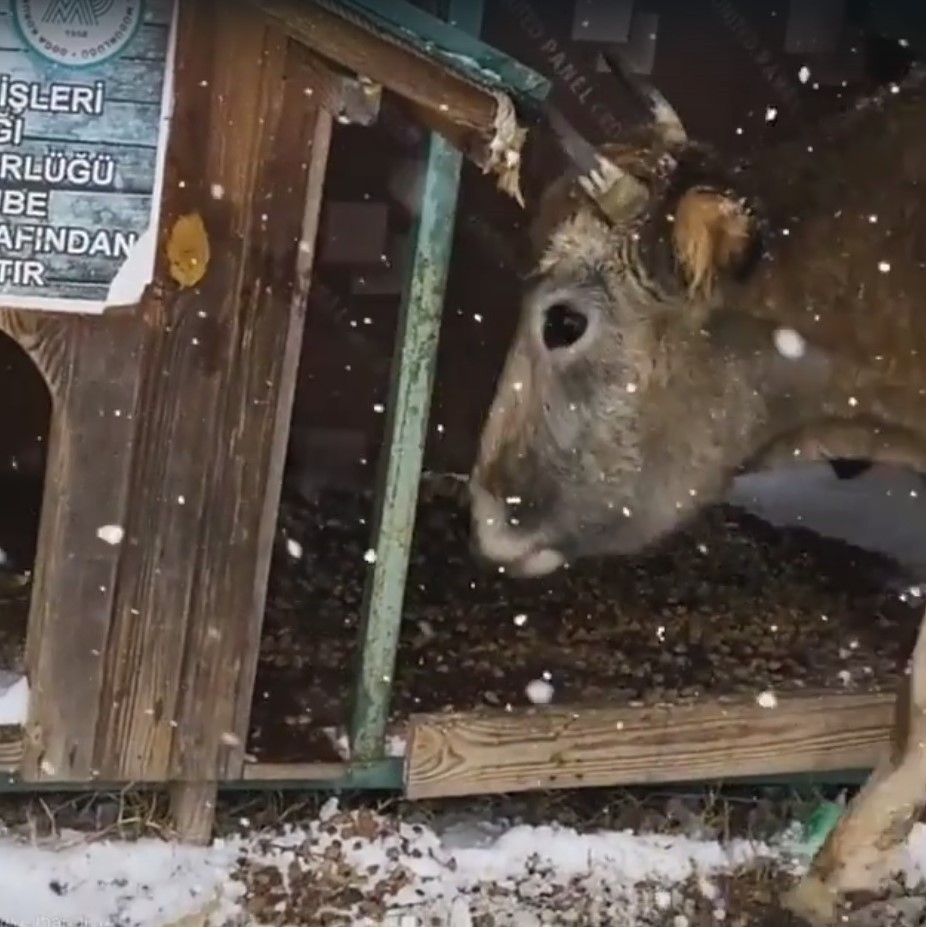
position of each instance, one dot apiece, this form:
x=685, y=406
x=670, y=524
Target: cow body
x=687, y=322
x=732, y=318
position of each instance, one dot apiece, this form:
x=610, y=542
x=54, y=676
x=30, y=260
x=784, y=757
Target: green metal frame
x=408, y=410
x=454, y=42
x=387, y=776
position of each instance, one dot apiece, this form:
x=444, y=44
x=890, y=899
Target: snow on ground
x=376, y=870
x=14, y=698
x=883, y=510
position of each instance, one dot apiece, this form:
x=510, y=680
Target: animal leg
x=862, y=850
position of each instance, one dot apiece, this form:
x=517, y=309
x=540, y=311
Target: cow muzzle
x=496, y=542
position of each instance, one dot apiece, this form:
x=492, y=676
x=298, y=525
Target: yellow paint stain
x=188, y=250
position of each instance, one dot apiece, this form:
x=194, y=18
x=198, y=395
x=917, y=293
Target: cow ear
x=713, y=234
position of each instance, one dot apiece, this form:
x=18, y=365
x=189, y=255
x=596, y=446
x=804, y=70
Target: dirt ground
x=732, y=605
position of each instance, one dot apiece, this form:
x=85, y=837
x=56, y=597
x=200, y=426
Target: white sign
x=85, y=99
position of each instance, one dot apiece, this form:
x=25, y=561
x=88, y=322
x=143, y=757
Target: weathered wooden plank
x=347, y=97
x=11, y=748
x=293, y=139
x=188, y=333
x=193, y=810
x=411, y=75
x=569, y=747
x=464, y=112
x=293, y=772
x=92, y=373
x=184, y=644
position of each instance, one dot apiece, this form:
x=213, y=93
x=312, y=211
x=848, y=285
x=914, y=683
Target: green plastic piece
x=455, y=43
x=818, y=826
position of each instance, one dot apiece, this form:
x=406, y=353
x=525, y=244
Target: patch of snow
x=144, y=884
x=518, y=871
x=882, y=510
x=337, y=737
x=417, y=873
x=14, y=698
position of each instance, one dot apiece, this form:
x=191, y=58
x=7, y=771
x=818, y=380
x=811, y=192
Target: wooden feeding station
x=157, y=256
x=157, y=274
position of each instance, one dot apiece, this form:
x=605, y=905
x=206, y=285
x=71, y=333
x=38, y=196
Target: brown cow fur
x=825, y=236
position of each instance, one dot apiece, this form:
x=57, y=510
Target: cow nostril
x=563, y=325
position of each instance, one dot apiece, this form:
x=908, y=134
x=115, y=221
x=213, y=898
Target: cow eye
x=563, y=325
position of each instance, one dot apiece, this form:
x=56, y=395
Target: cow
x=688, y=319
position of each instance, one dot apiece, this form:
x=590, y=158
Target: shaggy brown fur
x=743, y=316
x=825, y=236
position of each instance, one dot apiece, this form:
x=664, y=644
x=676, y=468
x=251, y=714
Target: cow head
x=634, y=389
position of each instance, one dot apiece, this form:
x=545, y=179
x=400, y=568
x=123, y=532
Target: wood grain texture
x=11, y=748
x=489, y=752
x=250, y=443
x=192, y=811
x=219, y=369
x=91, y=370
x=409, y=74
x=294, y=772
x=345, y=96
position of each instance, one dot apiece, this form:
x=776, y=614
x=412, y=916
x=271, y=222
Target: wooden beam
x=443, y=37
x=218, y=374
x=351, y=100
x=295, y=772
x=475, y=120
x=489, y=752
x=192, y=811
x=409, y=74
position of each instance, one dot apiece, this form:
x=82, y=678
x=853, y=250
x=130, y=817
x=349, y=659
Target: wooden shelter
x=171, y=410
x=171, y=413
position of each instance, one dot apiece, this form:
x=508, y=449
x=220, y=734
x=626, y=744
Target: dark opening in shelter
x=25, y=417
x=372, y=193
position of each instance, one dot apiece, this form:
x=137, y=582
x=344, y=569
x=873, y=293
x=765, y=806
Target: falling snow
x=539, y=692
x=294, y=548
x=789, y=343
x=111, y=534
x=767, y=700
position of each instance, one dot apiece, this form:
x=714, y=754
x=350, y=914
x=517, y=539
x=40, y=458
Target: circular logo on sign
x=78, y=33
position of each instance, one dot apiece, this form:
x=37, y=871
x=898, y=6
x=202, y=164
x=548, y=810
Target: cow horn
x=667, y=121
x=619, y=194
